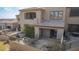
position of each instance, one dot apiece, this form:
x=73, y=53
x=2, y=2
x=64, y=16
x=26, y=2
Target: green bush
x=29, y=31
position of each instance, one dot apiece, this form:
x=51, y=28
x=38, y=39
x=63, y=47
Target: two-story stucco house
x=48, y=22
x=72, y=25
x=72, y=19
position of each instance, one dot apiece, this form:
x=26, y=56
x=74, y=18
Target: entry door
x=53, y=33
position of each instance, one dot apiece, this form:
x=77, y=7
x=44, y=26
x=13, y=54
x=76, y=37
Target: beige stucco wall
x=70, y=20
x=73, y=20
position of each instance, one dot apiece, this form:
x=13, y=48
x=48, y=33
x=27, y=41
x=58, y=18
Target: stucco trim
x=49, y=26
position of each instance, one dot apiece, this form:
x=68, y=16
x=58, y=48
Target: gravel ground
x=40, y=43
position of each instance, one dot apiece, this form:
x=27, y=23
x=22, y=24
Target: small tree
x=29, y=31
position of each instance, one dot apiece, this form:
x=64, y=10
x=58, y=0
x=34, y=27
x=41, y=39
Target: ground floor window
x=8, y=27
x=73, y=27
x=53, y=33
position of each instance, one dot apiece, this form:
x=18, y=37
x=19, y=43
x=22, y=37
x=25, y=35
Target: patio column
x=2, y=27
x=60, y=33
x=37, y=32
x=38, y=17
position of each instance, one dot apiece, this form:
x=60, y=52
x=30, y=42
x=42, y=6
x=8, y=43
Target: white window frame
x=56, y=14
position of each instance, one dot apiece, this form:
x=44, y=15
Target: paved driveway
x=74, y=41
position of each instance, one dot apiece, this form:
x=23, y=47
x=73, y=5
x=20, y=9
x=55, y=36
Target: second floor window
x=74, y=12
x=56, y=14
x=30, y=15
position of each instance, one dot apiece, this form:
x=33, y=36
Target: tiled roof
x=32, y=9
x=8, y=21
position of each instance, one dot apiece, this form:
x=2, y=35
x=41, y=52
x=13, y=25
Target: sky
x=9, y=12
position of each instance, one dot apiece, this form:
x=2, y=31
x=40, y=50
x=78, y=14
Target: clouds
x=8, y=9
x=9, y=12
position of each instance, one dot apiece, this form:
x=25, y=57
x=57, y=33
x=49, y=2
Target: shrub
x=29, y=31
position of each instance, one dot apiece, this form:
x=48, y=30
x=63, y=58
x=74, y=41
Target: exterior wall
x=70, y=20
x=73, y=20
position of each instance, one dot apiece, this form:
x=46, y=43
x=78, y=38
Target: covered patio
x=50, y=29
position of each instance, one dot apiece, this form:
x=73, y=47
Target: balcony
x=52, y=23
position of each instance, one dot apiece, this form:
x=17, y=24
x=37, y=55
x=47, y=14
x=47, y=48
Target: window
x=52, y=13
x=56, y=14
x=30, y=15
x=74, y=11
x=53, y=33
x=60, y=14
x=8, y=27
x=73, y=27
